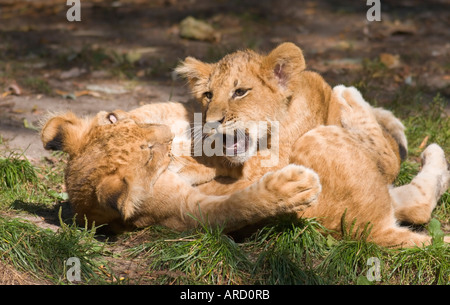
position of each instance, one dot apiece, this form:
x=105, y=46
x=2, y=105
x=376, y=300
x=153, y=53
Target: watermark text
x=374, y=12
x=74, y=12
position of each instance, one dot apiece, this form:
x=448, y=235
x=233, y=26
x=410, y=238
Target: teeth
x=234, y=144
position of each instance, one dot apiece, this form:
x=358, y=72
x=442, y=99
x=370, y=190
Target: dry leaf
x=389, y=60
x=87, y=92
x=18, y=110
x=29, y=125
x=66, y=95
x=424, y=142
x=6, y=93
x=15, y=89
x=60, y=92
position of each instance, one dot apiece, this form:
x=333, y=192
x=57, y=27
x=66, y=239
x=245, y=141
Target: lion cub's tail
x=394, y=127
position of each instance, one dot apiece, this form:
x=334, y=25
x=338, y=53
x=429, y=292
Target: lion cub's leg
x=357, y=116
x=288, y=190
x=415, y=201
x=352, y=185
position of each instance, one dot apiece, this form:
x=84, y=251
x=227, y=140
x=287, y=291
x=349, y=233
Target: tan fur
x=118, y=174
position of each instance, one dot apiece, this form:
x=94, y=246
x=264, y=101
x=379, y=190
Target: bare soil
x=122, y=53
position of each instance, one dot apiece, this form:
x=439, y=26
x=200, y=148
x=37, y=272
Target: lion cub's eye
x=208, y=95
x=240, y=92
x=148, y=146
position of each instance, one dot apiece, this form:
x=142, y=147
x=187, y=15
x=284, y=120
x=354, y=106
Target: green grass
x=425, y=266
x=122, y=65
x=284, y=257
x=207, y=256
x=428, y=121
x=347, y=261
x=44, y=253
x=408, y=171
x=15, y=170
x=288, y=252
x=29, y=248
x=428, y=265
x=37, y=84
x=21, y=181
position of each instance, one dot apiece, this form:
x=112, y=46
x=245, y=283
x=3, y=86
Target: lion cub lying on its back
x=118, y=174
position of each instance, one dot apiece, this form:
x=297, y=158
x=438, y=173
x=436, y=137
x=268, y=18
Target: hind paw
x=433, y=159
x=355, y=111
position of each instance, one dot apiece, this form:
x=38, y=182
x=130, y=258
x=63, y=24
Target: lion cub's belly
x=350, y=180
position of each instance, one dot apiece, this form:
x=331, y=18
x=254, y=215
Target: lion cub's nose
x=213, y=121
x=214, y=124
x=215, y=114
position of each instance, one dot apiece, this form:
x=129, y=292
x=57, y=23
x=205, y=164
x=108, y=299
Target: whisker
x=179, y=160
x=240, y=132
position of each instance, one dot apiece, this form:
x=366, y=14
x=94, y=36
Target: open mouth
x=236, y=144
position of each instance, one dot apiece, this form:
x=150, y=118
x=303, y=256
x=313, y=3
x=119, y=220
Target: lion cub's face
x=125, y=147
x=240, y=92
x=113, y=162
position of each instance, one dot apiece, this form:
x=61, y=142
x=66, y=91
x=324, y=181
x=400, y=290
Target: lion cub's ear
x=118, y=193
x=196, y=72
x=63, y=132
x=284, y=63
x=110, y=191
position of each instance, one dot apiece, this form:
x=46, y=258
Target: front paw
x=294, y=187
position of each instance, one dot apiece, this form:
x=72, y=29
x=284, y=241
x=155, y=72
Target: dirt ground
x=122, y=53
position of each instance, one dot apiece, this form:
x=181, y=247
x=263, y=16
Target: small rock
x=109, y=89
x=72, y=73
x=409, y=80
x=192, y=28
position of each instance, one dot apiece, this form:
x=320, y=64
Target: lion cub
x=355, y=149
